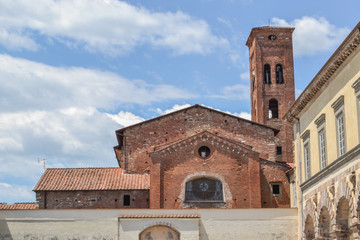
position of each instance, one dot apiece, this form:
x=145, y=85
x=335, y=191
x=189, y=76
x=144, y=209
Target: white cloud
x=126, y=118
x=26, y=84
x=313, y=35
x=111, y=26
x=17, y=41
x=237, y=91
x=176, y=107
x=245, y=76
x=12, y=192
x=244, y=115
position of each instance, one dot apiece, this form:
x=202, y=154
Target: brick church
x=198, y=157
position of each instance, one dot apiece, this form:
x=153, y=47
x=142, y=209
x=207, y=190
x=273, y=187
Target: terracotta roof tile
x=72, y=179
x=18, y=206
x=161, y=216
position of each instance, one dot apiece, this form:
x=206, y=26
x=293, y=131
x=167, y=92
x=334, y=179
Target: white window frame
x=320, y=122
x=340, y=125
x=307, y=156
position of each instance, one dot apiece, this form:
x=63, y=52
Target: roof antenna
x=43, y=161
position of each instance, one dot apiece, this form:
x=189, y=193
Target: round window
x=204, y=152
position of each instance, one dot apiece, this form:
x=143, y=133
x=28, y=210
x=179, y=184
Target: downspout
x=124, y=142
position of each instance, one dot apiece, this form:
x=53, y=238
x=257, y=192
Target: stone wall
x=229, y=224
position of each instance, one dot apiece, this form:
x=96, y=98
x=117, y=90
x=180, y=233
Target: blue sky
x=72, y=72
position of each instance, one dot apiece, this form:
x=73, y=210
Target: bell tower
x=272, y=81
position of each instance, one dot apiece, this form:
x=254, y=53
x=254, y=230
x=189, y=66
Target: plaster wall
x=339, y=85
x=213, y=224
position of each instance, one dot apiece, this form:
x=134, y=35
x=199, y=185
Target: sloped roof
x=19, y=206
x=203, y=107
x=74, y=179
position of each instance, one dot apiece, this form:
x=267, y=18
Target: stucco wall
x=213, y=224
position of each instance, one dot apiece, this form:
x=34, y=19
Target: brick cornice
x=203, y=137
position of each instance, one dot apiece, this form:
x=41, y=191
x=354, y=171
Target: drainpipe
x=124, y=142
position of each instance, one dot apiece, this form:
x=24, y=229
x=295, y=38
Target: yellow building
x=326, y=124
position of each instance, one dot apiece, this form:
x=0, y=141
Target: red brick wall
x=91, y=199
x=274, y=173
x=143, y=139
x=236, y=167
x=263, y=51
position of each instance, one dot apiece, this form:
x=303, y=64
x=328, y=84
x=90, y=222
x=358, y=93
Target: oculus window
x=204, y=152
x=204, y=190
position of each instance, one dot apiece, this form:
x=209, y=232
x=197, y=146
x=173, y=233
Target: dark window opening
x=279, y=74
x=204, y=151
x=204, y=190
x=126, y=200
x=273, y=109
x=267, y=74
x=253, y=84
x=276, y=189
x=278, y=150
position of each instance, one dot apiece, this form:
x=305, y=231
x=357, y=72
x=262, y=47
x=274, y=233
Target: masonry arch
x=343, y=219
x=273, y=108
x=309, y=230
x=324, y=223
x=204, y=189
x=227, y=201
x=159, y=232
x=267, y=74
x=279, y=74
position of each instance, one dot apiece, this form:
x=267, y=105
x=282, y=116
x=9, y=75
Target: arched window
x=267, y=74
x=279, y=74
x=159, y=232
x=204, y=190
x=253, y=84
x=273, y=109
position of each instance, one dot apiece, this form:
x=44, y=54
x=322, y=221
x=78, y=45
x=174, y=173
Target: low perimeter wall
x=114, y=224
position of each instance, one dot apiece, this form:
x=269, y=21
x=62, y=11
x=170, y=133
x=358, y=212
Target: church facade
x=198, y=157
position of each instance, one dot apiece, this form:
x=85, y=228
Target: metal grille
x=204, y=190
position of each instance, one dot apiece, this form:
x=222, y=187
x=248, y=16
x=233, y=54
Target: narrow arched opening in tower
x=267, y=74
x=273, y=109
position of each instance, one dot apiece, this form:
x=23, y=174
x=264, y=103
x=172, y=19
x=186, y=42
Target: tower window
x=267, y=74
x=279, y=74
x=279, y=150
x=273, y=109
x=253, y=83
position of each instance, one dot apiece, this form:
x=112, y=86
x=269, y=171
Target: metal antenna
x=43, y=161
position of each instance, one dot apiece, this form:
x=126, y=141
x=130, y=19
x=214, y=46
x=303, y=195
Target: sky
x=72, y=72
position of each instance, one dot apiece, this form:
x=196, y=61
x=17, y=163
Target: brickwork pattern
x=91, y=199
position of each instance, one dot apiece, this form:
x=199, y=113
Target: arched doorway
x=324, y=223
x=343, y=219
x=309, y=228
x=159, y=232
